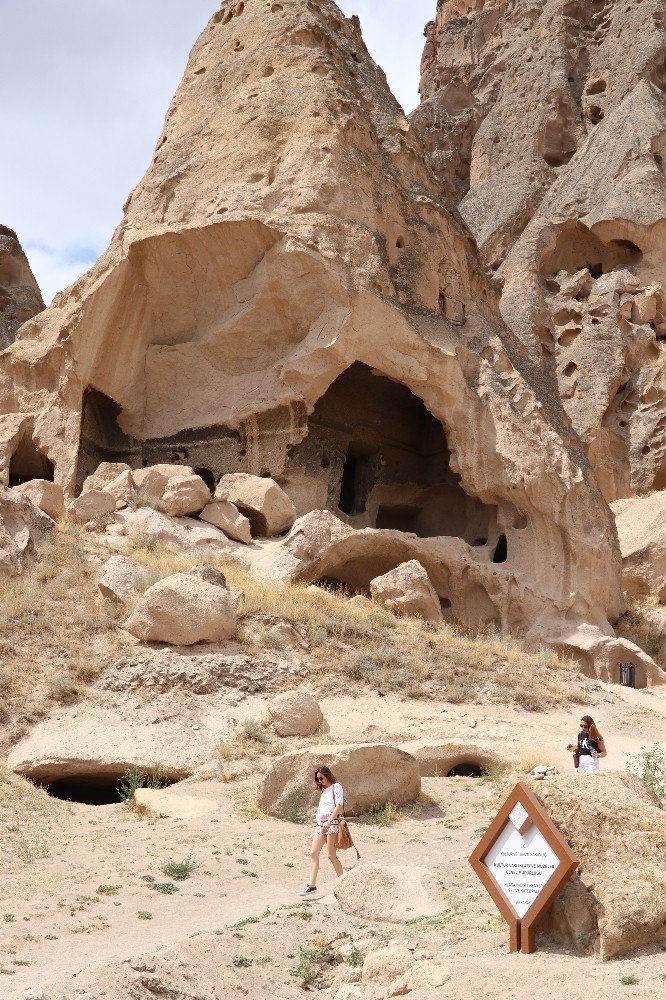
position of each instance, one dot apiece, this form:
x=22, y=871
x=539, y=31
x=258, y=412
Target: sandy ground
x=65, y=934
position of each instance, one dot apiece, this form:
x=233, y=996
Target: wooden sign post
x=523, y=861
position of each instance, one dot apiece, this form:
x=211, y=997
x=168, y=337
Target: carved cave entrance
x=378, y=457
x=100, y=787
x=28, y=463
x=211, y=451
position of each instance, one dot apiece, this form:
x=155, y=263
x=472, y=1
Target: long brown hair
x=592, y=732
x=326, y=771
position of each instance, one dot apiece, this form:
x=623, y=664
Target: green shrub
x=650, y=765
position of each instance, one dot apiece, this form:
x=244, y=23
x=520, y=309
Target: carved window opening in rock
x=374, y=453
x=217, y=450
x=28, y=463
x=468, y=769
x=501, y=550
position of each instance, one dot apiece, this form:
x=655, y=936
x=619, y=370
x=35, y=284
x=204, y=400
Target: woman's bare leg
x=333, y=853
x=318, y=842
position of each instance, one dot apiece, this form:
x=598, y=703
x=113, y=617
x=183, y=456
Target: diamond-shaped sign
x=523, y=861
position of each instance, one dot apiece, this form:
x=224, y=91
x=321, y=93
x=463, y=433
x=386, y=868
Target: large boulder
x=107, y=473
x=48, y=496
x=121, y=580
x=91, y=506
x=641, y=528
x=22, y=526
x=407, y=590
x=266, y=506
x=372, y=774
x=395, y=893
x=227, y=517
x=185, y=495
x=295, y=713
x=188, y=534
x=183, y=609
x=617, y=901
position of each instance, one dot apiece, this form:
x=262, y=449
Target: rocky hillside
x=20, y=298
x=548, y=121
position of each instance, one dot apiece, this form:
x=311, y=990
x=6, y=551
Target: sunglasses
x=584, y=725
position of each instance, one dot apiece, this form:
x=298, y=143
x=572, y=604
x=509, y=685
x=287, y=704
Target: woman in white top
x=330, y=806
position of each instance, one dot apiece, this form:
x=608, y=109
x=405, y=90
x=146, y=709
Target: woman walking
x=590, y=746
x=331, y=803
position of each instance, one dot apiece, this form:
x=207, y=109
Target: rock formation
x=20, y=298
x=289, y=294
x=548, y=121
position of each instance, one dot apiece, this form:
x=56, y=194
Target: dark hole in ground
x=466, y=771
x=95, y=790
x=501, y=550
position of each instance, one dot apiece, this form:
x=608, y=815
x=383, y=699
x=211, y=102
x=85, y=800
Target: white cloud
x=85, y=86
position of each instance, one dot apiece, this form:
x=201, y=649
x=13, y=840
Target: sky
x=85, y=86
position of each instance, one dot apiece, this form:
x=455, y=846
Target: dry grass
x=364, y=644
x=529, y=759
x=54, y=635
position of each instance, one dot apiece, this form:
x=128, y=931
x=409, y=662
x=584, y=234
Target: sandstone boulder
x=185, y=495
x=227, y=517
x=436, y=758
x=120, y=580
x=182, y=610
x=391, y=893
x=617, y=830
x=48, y=496
x=105, y=473
x=372, y=774
x=407, y=590
x=641, y=528
x=384, y=965
x=295, y=713
x=22, y=526
x=91, y=506
x=266, y=506
x=209, y=574
x=188, y=534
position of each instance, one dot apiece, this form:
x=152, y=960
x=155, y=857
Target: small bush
x=384, y=815
x=166, y=888
x=637, y=627
x=629, y=980
x=63, y=689
x=179, y=870
x=241, y=962
x=144, y=915
x=253, y=732
x=134, y=779
x=650, y=765
x=108, y=890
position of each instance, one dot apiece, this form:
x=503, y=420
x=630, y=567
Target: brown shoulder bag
x=344, y=840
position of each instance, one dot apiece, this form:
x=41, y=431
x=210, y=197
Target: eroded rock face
x=20, y=298
x=641, y=528
x=549, y=121
x=290, y=296
x=22, y=526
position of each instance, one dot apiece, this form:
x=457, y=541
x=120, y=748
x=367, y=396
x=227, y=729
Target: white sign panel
x=521, y=865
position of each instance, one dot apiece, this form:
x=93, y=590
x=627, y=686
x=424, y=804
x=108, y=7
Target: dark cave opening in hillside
x=466, y=770
x=100, y=789
x=577, y=248
x=375, y=454
x=28, y=463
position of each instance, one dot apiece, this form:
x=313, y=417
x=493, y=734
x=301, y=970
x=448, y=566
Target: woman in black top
x=590, y=746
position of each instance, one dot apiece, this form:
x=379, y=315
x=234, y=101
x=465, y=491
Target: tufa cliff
x=20, y=298
x=290, y=294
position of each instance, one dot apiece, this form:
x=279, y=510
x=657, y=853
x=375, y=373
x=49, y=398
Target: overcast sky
x=85, y=85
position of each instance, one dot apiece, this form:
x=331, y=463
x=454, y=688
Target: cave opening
x=28, y=463
x=375, y=455
x=99, y=789
x=468, y=769
x=211, y=451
